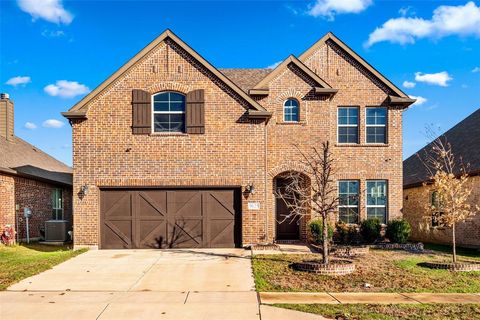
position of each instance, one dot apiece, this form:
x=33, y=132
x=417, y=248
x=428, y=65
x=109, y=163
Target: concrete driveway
x=139, y=284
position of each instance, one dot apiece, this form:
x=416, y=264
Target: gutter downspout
x=266, y=179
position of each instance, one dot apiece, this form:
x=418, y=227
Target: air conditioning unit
x=56, y=230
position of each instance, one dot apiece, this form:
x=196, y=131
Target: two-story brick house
x=170, y=151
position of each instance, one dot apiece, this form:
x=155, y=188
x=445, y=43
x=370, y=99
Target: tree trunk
x=453, y=246
x=325, y=240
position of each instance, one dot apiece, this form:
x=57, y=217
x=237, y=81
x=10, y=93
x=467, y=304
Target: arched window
x=168, y=112
x=290, y=111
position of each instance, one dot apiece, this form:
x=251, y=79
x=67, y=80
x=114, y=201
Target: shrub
x=346, y=233
x=398, y=231
x=316, y=231
x=370, y=229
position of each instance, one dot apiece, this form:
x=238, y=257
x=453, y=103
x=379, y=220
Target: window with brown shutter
x=195, y=114
x=141, y=112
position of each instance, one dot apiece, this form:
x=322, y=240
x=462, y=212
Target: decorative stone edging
x=350, y=251
x=458, y=267
x=412, y=247
x=266, y=246
x=331, y=269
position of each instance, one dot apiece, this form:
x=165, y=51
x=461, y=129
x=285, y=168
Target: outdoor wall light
x=249, y=188
x=84, y=190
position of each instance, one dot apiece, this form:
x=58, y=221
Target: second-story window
x=348, y=125
x=376, y=125
x=291, y=111
x=168, y=112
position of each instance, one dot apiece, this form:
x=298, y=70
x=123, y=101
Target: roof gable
x=464, y=139
x=331, y=37
x=80, y=109
x=263, y=84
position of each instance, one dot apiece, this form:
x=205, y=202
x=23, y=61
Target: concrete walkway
x=366, y=297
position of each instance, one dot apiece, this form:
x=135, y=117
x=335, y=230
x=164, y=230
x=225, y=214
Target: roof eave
x=325, y=91
x=258, y=92
x=71, y=115
x=254, y=114
x=401, y=101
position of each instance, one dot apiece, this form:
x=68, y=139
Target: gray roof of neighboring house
x=245, y=78
x=464, y=139
x=21, y=158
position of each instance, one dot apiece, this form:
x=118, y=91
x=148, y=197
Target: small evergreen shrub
x=370, y=230
x=316, y=231
x=347, y=234
x=398, y=231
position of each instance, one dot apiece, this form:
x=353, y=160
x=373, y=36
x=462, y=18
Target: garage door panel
x=152, y=204
x=118, y=234
x=153, y=234
x=170, y=218
x=186, y=233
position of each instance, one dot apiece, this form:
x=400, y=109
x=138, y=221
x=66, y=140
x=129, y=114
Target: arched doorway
x=288, y=225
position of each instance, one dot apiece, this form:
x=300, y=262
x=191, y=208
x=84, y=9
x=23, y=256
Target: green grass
x=22, y=261
x=385, y=271
x=391, y=311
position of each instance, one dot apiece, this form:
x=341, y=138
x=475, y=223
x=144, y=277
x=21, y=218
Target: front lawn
x=383, y=270
x=22, y=261
x=391, y=311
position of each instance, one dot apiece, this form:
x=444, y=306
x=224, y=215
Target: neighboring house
x=464, y=139
x=172, y=152
x=30, y=178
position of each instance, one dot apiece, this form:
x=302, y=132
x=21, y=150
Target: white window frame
x=348, y=125
x=152, y=106
x=377, y=206
x=291, y=121
x=376, y=126
x=349, y=206
x=54, y=209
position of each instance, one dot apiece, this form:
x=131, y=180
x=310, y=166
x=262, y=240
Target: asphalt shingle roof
x=245, y=78
x=464, y=139
x=21, y=157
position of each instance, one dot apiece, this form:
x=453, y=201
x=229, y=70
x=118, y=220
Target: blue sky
x=52, y=52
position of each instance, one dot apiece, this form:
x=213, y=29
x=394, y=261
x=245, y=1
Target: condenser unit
x=56, y=230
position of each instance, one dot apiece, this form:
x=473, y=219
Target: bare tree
x=312, y=192
x=449, y=181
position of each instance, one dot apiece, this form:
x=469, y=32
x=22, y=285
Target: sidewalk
x=366, y=297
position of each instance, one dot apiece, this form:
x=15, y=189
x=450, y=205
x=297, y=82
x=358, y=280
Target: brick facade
x=36, y=195
x=467, y=233
x=234, y=151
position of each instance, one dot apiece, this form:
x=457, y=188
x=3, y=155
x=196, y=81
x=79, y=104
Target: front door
x=288, y=228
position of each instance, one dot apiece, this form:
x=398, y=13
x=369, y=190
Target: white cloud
x=53, y=33
x=446, y=20
x=420, y=100
x=30, y=125
x=20, y=80
x=329, y=8
x=50, y=10
x=66, y=89
x=53, y=123
x=440, y=79
x=274, y=65
x=409, y=84
x=476, y=69
x=406, y=11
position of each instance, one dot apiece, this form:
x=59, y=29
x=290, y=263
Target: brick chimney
x=6, y=117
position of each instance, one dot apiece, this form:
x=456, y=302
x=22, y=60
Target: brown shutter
x=141, y=112
x=195, y=113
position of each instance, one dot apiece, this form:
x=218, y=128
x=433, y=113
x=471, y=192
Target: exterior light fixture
x=249, y=188
x=84, y=190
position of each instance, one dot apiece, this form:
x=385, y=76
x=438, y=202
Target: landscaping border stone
x=457, y=267
x=331, y=269
x=411, y=247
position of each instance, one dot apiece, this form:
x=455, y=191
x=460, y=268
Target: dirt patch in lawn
x=390, y=312
x=383, y=271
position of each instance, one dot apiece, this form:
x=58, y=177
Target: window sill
x=362, y=145
x=169, y=134
x=283, y=123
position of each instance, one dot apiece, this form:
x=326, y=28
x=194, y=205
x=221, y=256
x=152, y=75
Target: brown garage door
x=170, y=218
